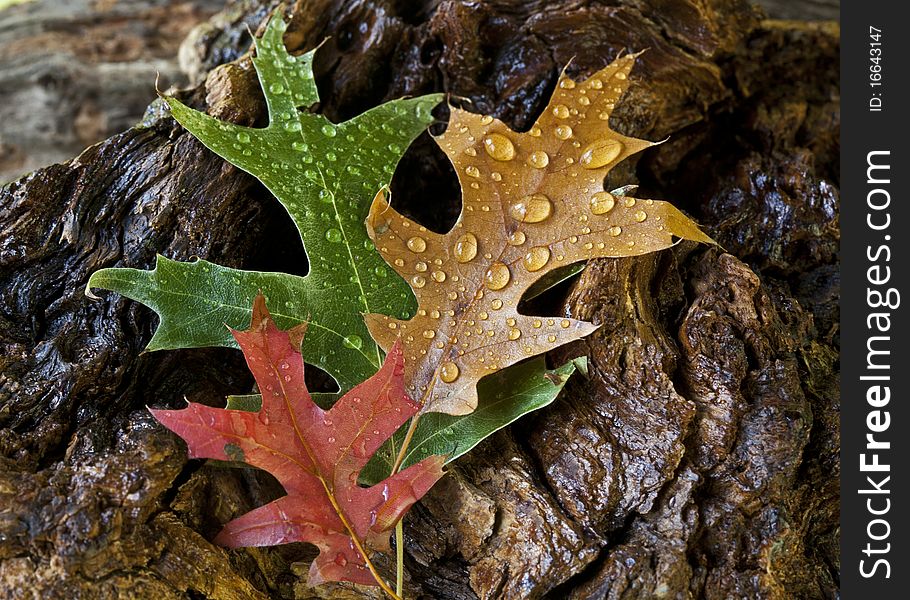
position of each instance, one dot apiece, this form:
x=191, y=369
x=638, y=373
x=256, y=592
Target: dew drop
x=448, y=372
x=299, y=146
x=600, y=153
x=429, y=334
x=496, y=304
x=353, y=341
x=567, y=84
x=602, y=203
x=551, y=338
x=534, y=131
x=561, y=111
x=465, y=248
x=536, y=324
x=472, y=171
x=417, y=244
x=628, y=201
x=539, y=159
x=565, y=323
x=292, y=125
x=434, y=314
x=584, y=100
x=499, y=147
x=563, y=132
x=615, y=230
x=640, y=215
x=496, y=176
x=329, y=130
x=486, y=120
x=439, y=276
x=517, y=238
x=243, y=137
x=514, y=334
x=498, y=276
x=418, y=281
x=333, y=235
x=420, y=266
x=531, y=209
x=621, y=76
x=399, y=262
x=596, y=84
x=536, y=258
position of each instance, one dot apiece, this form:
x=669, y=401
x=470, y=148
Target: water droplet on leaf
x=465, y=248
x=531, y=209
x=448, y=372
x=539, y=159
x=353, y=341
x=602, y=203
x=417, y=244
x=600, y=153
x=498, y=276
x=561, y=111
x=537, y=258
x=563, y=132
x=499, y=147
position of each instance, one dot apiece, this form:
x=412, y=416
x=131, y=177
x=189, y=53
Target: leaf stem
x=399, y=556
x=366, y=557
x=402, y=452
x=399, y=527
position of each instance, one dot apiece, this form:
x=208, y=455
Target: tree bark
x=699, y=458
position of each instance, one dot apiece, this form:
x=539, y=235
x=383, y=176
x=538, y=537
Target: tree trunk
x=698, y=459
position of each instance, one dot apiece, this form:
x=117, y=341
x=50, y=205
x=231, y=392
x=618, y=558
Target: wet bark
x=699, y=458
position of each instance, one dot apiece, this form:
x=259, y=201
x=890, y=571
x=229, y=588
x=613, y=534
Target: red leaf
x=317, y=455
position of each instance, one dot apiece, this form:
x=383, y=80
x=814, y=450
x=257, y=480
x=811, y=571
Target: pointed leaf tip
x=532, y=204
x=315, y=454
x=312, y=166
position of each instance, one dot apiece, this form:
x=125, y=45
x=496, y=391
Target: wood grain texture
x=74, y=73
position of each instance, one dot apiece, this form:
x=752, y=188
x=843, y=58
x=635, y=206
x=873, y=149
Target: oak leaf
x=315, y=454
x=325, y=175
x=532, y=203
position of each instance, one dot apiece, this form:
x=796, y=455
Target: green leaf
x=504, y=396
x=325, y=175
x=253, y=402
x=552, y=279
x=247, y=402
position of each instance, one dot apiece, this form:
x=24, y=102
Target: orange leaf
x=532, y=202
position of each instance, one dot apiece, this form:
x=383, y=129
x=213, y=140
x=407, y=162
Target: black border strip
x=875, y=246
